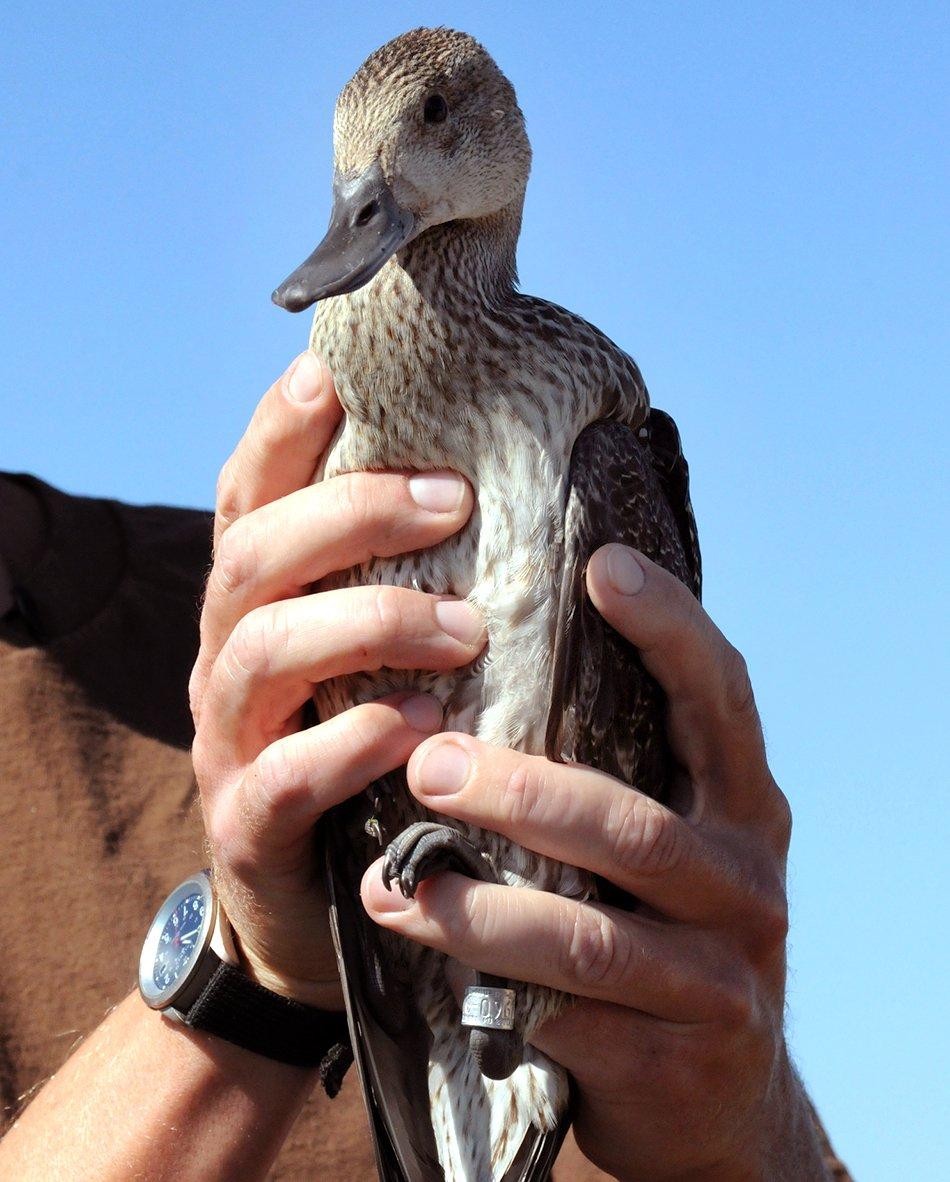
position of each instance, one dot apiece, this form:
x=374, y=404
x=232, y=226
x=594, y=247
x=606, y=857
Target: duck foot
x=427, y=848
x=496, y=1049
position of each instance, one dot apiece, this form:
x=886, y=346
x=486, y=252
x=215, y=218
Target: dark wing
x=390, y=1039
x=629, y=486
x=622, y=487
x=670, y=465
x=538, y=1153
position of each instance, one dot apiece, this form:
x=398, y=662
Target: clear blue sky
x=752, y=199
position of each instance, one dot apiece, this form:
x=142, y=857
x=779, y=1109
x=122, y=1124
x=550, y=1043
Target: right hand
x=265, y=641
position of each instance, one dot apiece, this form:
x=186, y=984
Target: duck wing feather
x=389, y=1037
x=628, y=485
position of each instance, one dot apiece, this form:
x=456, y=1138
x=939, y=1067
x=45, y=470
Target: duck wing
x=390, y=1039
x=669, y=463
x=627, y=485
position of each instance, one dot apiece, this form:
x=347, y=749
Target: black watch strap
x=237, y=1009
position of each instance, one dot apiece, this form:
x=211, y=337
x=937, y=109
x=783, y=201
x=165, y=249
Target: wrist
x=321, y=995
x=189, y=969
x=302, y=971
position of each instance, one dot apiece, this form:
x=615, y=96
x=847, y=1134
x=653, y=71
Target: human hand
x=676, y=1039
x=265, y=641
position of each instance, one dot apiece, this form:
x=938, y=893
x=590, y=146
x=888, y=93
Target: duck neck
x=465, y=262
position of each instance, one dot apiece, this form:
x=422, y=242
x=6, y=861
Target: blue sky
x=752, y=199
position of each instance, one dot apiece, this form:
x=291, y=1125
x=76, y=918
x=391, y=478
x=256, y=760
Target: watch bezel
x=163, y=999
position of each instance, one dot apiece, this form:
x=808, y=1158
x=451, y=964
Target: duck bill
x=367, y=227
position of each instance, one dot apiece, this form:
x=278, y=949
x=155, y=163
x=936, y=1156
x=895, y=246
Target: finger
x=281, y=448
x=264, y=826
x=584, y=818
x=587, y=949
x=713, y=723
x=278, y=550
x=275, y=655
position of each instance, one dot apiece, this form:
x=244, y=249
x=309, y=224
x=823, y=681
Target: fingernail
x=438, y=492
x=306, y=381
x=422, y=712
x=459, y=620
x=624, y=572
x=444, y=769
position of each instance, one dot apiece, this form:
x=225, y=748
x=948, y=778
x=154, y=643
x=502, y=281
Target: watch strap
x=239, y=1010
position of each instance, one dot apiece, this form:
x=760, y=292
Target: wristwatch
x=189, y=970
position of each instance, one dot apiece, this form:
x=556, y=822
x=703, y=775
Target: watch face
x=176, y=941
x=179, y=941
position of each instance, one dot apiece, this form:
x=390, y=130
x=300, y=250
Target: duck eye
x=436, y=109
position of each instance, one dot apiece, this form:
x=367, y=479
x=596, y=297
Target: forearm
x=142, y=1098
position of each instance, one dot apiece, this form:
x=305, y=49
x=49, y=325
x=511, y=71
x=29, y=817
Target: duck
x=440, y=361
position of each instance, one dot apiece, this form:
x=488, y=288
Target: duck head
x=427, y=131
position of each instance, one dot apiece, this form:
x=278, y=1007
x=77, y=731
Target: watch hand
x=189, y=935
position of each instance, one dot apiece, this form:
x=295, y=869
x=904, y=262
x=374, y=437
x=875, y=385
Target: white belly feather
x=505, y=563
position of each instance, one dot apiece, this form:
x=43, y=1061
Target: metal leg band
x=488, y=1007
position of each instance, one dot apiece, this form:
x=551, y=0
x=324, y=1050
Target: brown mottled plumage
x=440, y=362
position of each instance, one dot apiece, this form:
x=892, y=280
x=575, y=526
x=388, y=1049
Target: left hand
x=676, y=1040
x=267, y=638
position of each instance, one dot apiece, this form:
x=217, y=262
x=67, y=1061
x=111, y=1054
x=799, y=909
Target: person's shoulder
x=165, y=544
x=102, y=542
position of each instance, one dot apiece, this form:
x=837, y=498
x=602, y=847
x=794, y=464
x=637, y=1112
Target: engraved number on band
x=489, y=1007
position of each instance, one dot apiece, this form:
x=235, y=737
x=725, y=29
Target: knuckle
x=278, y=785
x=200, y=761
x=472, y=919
x=226, y=495
x=645, y=837
x=227, y=839
x=683, y=622
x=679, y=609
x=237, y=557
x=522, y=793
x=477, y=920
x=776, y=920
x=693, y=616
x=350, y=497
x=357, y=500
x=782, y=818
x=231, y=851
x=256, y=642
x=196, y=685
x=688, y=614
x=353, y=737
x=597, y=952
x=771, y=917
x=358, y=732
x=737, y=685
x=730, y=998
x=390, y=608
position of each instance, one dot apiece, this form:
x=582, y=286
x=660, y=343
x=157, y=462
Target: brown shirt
x=98, y=802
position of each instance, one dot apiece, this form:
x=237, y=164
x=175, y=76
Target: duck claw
x=427, y=848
